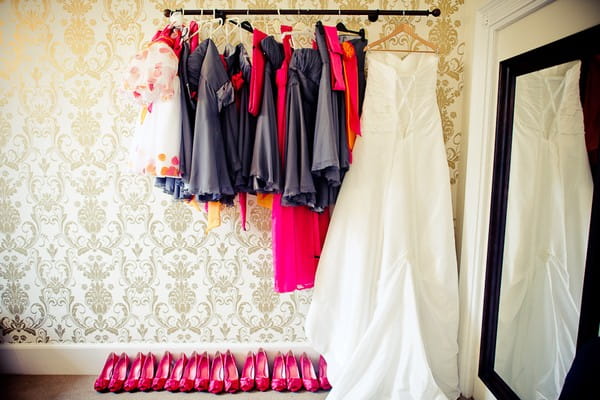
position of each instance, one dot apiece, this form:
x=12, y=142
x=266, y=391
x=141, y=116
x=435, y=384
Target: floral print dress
x=153, y=82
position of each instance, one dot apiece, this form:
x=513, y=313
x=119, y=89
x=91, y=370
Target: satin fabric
x=265, y=171
x=209, y=176
x=351, y=80
x=238, y=68
x=258, y=73
x=229, y=117
x=297, y=232
x=188, y=114
x=384, y=311
x=330, y=151
x=304, y=76
x=335, y=57
x=241, y=67
x=359, y=50
x=547, y=226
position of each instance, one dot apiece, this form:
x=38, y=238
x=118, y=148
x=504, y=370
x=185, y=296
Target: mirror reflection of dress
x=548, y=214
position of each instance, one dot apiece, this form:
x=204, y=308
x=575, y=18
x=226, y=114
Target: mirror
x=541, y=289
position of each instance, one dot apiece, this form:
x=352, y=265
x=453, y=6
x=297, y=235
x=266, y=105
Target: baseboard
x=88, y=359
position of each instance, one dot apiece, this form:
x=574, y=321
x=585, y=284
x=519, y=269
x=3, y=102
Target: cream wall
x=558, y=19
x=90, y=254
x=547, y=24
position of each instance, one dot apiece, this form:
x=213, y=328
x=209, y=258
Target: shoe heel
x=247, y=381
x=263, y=380
x=103, y=380
x=133, y=378
x=186, y=383
x=323, y=381
x=292, y=374
x=217, y=373
x=172, y=384
x=309, y=378
x=119, y=374
x=147, y=375
x=278, y=381
x=203, y=373
x=162, y=372
x=232, y=377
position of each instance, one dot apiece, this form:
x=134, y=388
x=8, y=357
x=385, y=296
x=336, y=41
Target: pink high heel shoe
x=232, y=378
x=145, y=382
x=203, y=373
x=278, y=381
x=103, y=380
x=172, y=384
x=188, y=378
x=248, y=373
x=133, y=378
x=162, y=372
x=119, y=373
x=263, y=381
x=324, y=382
x=292, y=374
x=309, y=378
x=217, y=373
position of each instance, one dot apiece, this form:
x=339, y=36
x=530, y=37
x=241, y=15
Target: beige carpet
x=81, y=387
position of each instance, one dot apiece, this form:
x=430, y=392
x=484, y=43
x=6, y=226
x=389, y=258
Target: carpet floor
x=81, y=387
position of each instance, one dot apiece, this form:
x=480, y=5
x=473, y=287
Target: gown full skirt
x=384, y=311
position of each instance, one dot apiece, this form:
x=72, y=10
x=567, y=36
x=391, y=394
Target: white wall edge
x=88, y=359
x=491, y=18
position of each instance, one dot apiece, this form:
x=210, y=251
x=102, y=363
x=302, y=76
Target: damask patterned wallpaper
x=90, y=253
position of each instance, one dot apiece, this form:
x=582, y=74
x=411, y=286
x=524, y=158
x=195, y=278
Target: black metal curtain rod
x=372, y=14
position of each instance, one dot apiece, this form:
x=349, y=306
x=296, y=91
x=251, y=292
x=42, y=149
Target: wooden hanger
x=409, y=30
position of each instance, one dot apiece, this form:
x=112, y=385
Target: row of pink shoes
x=197, y=373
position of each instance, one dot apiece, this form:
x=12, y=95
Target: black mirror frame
x=577, y=46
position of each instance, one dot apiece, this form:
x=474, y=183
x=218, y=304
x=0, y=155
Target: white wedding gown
x=384, y=311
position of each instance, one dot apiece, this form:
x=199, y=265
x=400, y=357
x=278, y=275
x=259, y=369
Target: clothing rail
x=372, y=14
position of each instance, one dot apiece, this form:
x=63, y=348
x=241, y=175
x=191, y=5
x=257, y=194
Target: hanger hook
x=339, y=11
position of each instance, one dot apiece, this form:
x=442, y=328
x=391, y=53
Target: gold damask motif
x=33, y=31
x=39, y=105
x=47, y=192
x=9, y=217
x=14, y=298
x=124, y=28
x=90, y=253
x=178, y=215
x=90, y=57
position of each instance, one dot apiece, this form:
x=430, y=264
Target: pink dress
x=298, y=233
